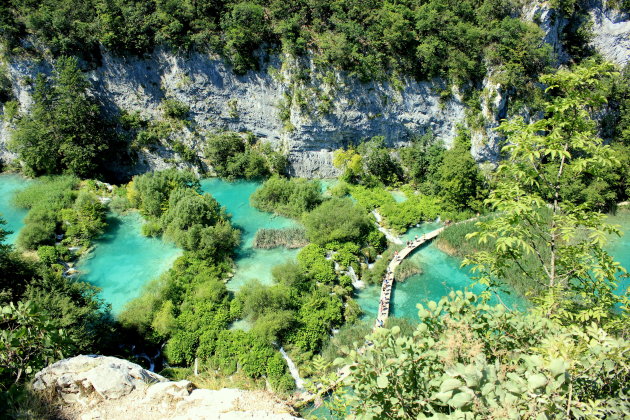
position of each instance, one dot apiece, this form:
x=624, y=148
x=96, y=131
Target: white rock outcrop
x=611, y=33
x=108, y=388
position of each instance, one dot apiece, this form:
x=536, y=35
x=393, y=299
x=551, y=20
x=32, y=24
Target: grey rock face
x=327, y=111
x=611, y=33
x=82, y=376
x=220, y=100
x=552, y=25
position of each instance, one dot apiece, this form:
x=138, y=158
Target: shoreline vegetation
x=187, y=312
x=290, y=238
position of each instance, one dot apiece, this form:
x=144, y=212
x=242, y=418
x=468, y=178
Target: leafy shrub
x=312, y=260
x=416, y=209
x=175, y=109
x=466, y=345
x=150, y=192
x=337, y=219
x=371, y=198
x=287, y=197
x=48, y=254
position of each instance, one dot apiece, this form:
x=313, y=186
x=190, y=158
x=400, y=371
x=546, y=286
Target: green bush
x=416, y=209
x=466, y=346
x=48, y=254
x=174, y=108
x=337, y=219
x=287, y=197
x=312, y=260
x=150, y=192
x=64, y=131
x=233, y=157
x=371, y=198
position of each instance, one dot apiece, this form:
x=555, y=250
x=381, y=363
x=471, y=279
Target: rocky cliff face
x=320, y=111
x=611, y=33
x=107, y=388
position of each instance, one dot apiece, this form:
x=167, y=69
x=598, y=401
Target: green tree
x=287, y=197
x=533, y=218
x=467, y=359
x=150, y=192
x=337, y=219
x=378, y=161
x=460, y=181
x=64, y=131
x=86, y=218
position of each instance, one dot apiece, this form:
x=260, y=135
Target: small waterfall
x=299, y=382
x=389, y=235
x=356, y=283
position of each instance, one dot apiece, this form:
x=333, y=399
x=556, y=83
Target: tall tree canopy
x=534, y=218
x=63, y=131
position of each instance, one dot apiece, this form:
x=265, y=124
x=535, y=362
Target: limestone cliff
x=107, y=388
x=306, y=113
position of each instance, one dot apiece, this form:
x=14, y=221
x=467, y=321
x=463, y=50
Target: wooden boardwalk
x=388, y=281
x=383, y=311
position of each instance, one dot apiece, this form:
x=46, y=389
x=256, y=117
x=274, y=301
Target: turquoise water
x=250, y=263
x=123, y=260
x=9, y=185
x=440, y=275
x=327, y=183
x=620, y=247
x=399, y=196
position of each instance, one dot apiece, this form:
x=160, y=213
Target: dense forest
x=532, y=224
x=437, y=38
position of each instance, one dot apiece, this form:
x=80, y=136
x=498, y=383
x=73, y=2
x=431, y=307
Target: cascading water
x=299, y=382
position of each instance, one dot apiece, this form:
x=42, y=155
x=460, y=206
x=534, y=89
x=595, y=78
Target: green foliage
x=566, y=239
x=416, y=209
x=371, y=198
x=232, y=157
x=455, y=365
x=312, y=260
x=376, y=274
x=373, y=40
x=29, y=341
x=48, y=254
x=245, y=27
x=287, y=197
x=337, y=219
x=422, y=160
x=86, y=218
x=56, y=207
x=150, y=192
x=460, y=181
x=378, y=162
x=64, y=131
x=6, y=92
x=188, y=208
x=175, y=109
x=43, y=317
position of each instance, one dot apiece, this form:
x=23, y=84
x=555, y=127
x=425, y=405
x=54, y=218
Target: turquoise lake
x=123, y=260
x=9, y=185
x=250, y=263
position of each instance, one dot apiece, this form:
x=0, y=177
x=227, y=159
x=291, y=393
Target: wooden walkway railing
x=388, y=281
x=383, y=310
